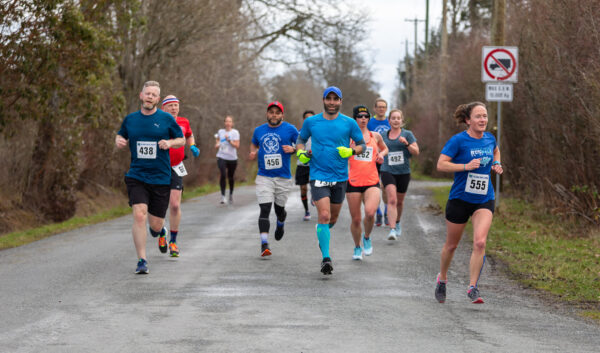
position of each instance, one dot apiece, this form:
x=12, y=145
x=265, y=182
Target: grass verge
x=543, y=253
x=19, y=238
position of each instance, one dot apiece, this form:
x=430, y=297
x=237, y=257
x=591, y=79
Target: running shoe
x=440, y=290
x=142, y=267
x=279, y=231
x=385, y=220
x=173, y=250
x=398, y=229
x=378, y=220
x=392, y=235
x=368, y=247
x=326, y=266
x=357, y=253
x=162, y=244
x=264, y=250
x=306, y=216
x=473, y=294
x=223, y=200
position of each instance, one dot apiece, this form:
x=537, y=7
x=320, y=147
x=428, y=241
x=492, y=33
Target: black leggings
x=227, y=169
x=263, y=218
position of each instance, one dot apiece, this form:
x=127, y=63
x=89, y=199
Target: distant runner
x=303, y=173
x=470, y=155
x=380, y=124
x=150, y=134
x=331, y=132
x=273, y=143
x=227, y=143
x=171, y=105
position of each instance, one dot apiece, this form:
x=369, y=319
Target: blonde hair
x=397, y=111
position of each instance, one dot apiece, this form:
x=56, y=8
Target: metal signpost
x=499, y=65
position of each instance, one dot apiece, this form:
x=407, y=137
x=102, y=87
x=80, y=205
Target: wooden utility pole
x=498, y=39
x=443, y=74
x=426, y=25
x=414, y=64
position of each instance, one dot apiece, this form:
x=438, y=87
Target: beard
x=332, y=110
x=148, y=106
x=274, y=121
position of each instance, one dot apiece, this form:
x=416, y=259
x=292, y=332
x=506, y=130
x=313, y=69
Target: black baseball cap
x=360, y=110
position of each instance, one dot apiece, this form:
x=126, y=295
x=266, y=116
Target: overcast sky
x=389, y=30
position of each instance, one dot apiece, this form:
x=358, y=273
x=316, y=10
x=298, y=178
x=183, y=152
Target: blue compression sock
x=385, y=212
x=378, y=210
x=264, y=237
x=173, y=236
x=323, y=235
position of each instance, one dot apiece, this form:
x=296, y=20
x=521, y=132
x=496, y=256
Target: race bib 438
x=146, y=149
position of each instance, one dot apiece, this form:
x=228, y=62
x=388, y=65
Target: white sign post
x=499, y=69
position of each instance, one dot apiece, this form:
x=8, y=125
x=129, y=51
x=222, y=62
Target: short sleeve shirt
x=379, y=126
x=326, y=136
x=472, y=186
x=226, y=150
x=272, y=160
x=149, y=163
x=397, y=161
x=177, y=154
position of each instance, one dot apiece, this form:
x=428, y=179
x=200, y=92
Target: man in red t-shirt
x=171, y=105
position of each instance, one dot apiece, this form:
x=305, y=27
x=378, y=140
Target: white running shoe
x=398, y=229
x=223, y=200
x=357, y=253
x=392, y=235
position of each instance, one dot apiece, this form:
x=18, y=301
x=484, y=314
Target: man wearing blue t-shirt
x=150, y=133
x=380, y=124
x=330, y=133
x=273, y=144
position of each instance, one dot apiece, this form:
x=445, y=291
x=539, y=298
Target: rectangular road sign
x=499, y=92
x=499, y=64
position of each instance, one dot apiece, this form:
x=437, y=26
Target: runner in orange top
x=363, y=183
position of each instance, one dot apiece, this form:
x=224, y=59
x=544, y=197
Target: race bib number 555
x=477, y=183
x=146, y=149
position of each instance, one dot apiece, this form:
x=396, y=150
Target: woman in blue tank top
x=471, y=155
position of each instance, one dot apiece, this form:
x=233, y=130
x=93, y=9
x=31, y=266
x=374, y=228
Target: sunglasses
x=363, y=116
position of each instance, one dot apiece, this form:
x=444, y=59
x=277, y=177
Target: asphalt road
x=76, y=292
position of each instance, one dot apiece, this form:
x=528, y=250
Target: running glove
x=345, y=152
x=303, y=156
x=195, y=150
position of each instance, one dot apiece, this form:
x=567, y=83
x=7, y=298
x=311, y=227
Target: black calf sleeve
x=280, y=212
x=263, y=219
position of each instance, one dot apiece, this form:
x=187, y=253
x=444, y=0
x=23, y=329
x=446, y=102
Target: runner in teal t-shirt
x=150, y=134
x=330, y=134
x=470, y=155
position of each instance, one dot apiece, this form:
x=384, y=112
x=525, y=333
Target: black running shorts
x=302, y=174
x=336, y=192
x=176, y=181
x=155, y=196
x=459, y=211
x=400, y=180
x=360, y=189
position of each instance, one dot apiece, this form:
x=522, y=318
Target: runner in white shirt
x=227, y=143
